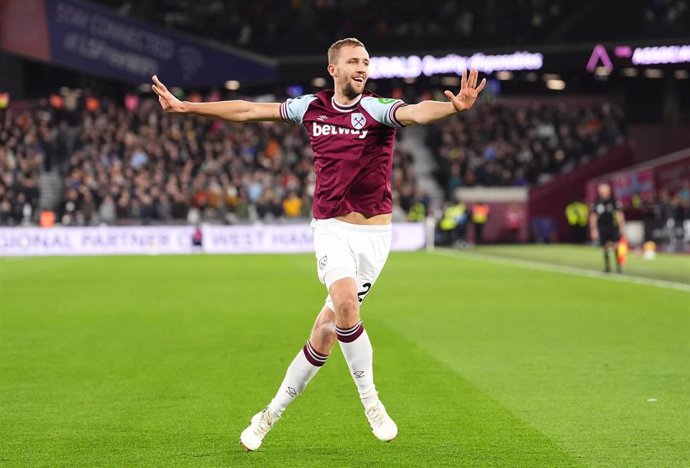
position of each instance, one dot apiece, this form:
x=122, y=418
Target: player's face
x=351, y=70
x=604, y=190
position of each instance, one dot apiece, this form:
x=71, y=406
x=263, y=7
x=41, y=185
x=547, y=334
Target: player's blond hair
x=334, y=49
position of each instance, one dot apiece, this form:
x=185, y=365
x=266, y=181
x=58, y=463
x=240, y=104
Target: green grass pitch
x=161, y=361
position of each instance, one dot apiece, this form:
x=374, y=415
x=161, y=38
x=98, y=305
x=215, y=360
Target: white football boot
x=382, y=425
x=261, y=423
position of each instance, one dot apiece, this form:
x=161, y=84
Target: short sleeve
x=293, y=110
x=383, y=110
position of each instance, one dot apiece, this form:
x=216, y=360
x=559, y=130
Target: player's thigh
x=342, y=295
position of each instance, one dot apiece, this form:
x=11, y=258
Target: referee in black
x=606, y=222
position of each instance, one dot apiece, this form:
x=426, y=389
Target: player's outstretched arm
x=428, y=112
x=233, y=111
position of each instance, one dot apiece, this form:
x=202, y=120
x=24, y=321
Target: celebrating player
x=606, y=222
x=352, y=132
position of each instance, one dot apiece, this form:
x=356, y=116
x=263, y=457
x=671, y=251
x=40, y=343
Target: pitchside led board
x=177, y=240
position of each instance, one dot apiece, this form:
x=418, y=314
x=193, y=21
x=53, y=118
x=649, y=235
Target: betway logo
x=327, y=129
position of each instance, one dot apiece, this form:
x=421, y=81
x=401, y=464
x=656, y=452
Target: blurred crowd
x=22, y=147
x=278, y=27
x=501, y=145
x=666, y=217
x=120, y=162
x=132, y=162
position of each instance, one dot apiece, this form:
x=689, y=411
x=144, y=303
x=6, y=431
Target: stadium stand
x=502, y=145
x=283, y=28
x=151, y=167
x=140, y=165
x=110, y=158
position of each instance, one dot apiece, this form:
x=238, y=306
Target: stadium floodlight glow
x=630, y=72
x=551, y=76
x=653, y=73
x=504, y=75
x=556, y=85
x=413, y=66
x=410, y=80
x=681, y=74
x=662, y=54
x=232, y=85
x=319, y=82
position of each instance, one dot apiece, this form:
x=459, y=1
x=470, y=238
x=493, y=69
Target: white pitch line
x=566, y=269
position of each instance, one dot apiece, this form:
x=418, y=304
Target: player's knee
x=347, y=311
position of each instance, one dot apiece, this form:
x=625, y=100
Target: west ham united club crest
x=358, y=121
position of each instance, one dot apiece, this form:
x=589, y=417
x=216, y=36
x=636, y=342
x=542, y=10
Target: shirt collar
x=343, y=108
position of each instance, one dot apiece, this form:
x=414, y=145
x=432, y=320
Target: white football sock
x=356, y=347
x=305, y=366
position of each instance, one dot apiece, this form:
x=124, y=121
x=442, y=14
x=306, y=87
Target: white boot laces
x=376, y=415
x=263, y=425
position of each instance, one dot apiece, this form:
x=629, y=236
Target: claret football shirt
x=353, y=150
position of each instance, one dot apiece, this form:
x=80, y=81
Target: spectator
x=106, y=212
x=292, y=205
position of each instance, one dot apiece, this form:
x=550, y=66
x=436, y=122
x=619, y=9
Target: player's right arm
x=232, y=111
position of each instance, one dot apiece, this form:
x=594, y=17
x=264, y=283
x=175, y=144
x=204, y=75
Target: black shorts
x=608, y=234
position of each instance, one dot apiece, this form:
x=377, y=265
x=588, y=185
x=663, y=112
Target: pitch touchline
x=566, y=269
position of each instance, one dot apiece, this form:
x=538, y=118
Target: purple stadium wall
x=549, y=200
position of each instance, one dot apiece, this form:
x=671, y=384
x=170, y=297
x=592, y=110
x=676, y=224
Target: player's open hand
x=469, y=91
x=169, y=103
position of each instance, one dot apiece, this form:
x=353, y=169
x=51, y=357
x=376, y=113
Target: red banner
x=23, y=28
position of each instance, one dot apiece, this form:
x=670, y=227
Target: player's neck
x=343, y=101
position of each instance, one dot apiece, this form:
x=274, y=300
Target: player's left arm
x=620, y=219
x=428, y=112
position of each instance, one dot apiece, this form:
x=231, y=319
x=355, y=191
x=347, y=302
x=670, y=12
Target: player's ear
x=332, y=70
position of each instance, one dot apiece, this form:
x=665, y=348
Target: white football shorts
x=345, y=250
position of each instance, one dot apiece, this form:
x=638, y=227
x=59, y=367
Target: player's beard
x=350, y=92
